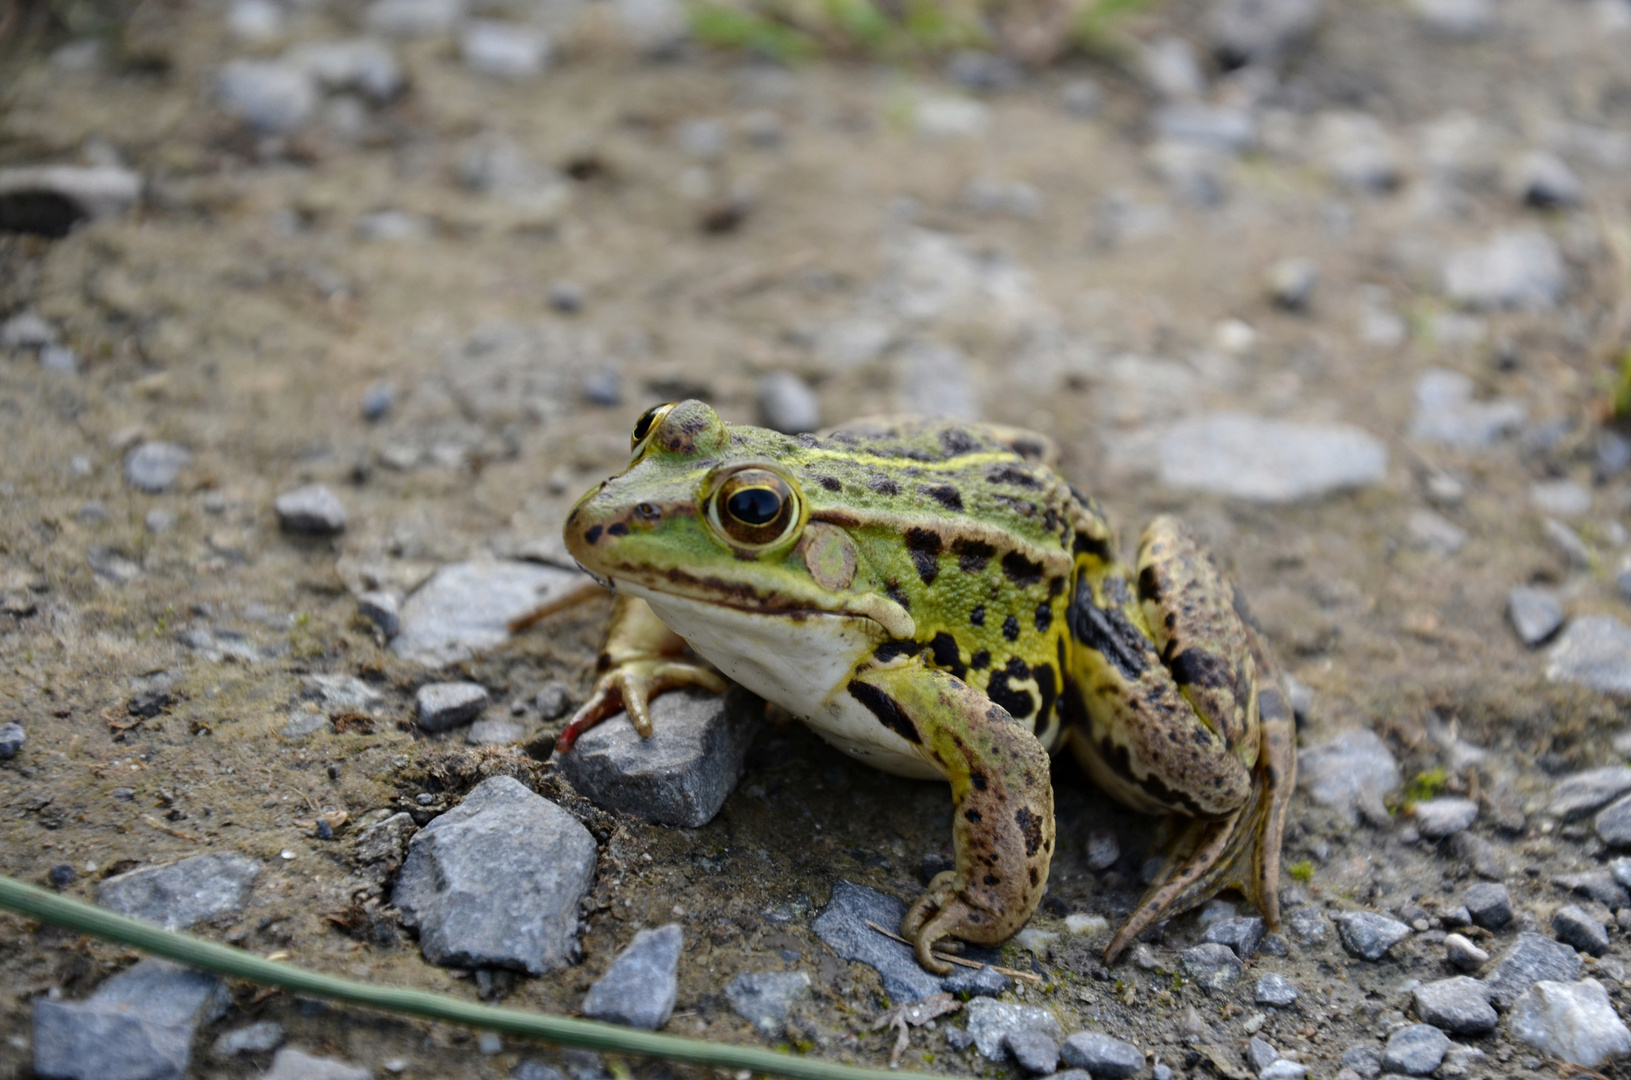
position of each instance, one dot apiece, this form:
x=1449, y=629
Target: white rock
x=267, y=95
x=1571, y=1021
x=364, y=65
x=1518, y=268
x=1457, y=19
x=504, y=50
x=1438, y=818
x=1350, y=773
x=414, y=18
x=1266, y=460
x=947, y=117
x=1593, y=651
x=255, y=21
x=1560, y=498
x=98, y=191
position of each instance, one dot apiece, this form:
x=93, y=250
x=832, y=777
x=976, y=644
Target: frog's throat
x=893, y=619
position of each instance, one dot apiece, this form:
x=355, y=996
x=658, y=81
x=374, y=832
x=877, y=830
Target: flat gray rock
x=496, y=881
x=1258, y=31
x=1446, y=412
x=261, y=1037
x=1574, y=926
x=1534, y=613
x=154, y=467
x=1457, y=1005
x=342, y=693
x=1594, y=652
x=495, y=731
x=177, y=895
x=1369, y=936
x=138, y=1025
x=12, y=737
x=1580, y=793
x=639, y=989
x=466, y=607
x=1215, y=968
x=1268, y=461
x=266, y=95
x=683, y=774
x=383, y=610
x=1351, y=773
x=1033, y=1051
x=1488, y=904
x=764, y=998
x=787, y=404
x=1102, y=1055
x=74, y=192
x=1571, y=1021
x=445, y=705
x=992, y=1022
x=1307, y=925
x=1613, y=824
x=1527, y=961
x=1518, y=268
x=292, y=1064
x=1274, y=989
x=1600, y=885
x=1242, y=934
x=1415, y=1050
x=312, y=509
x=1445, y=816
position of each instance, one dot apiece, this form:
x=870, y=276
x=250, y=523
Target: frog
x=934, y=599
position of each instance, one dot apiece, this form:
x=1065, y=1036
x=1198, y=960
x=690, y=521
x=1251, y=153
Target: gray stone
x=1456, y=20
x=1356, y=151
x=1415, y=1050
x=552, y=701
x=1594, y=652
x=1274, y=989
x=1519, y=268
x=266, y=95
x=137, y=1025
x=1568, y=543
x=445, y=705
x=48, y=200
x=1489, y=904
x=1560, y=498
x=1613, y=824
x=1169, y=67
x=1350, y=774
x=842, y=925
x=1574, y=926
x=639, y=989
x=386, y=841
x=292, y=1064
x=1283, y=1070
x=1215, y=968
x=1457, y=1005
x=1363, y=1060
x=1580, y=793
x=59, y=358
x=1463, y=954
x=567, y=297
x=311, y=509
x=1445, y=816
x=1103, y=850
x=603, y=387
x=1446, y=412
x=1102, y=1055
x=682, y=774
x=703, y=138
x=1216, y=128
x=993, y=1022
x=261, y=1037
x=976, y=69
x=179, y=894
x=495, y=731
x=1534, y=613
x=356, y=65
x=26, y=330
x=934, y=379
x=1542, y=179
x=764, y=998
x=342, y=693
x=466, y=607
x=1012, y=198
x=154, y=467
x=504, y=50
x=1266, y=460
x=1291, y=283
x=1260, y=1054
x=496, y=881
x=1572, y=1021
x=1258, y=31
x=1033, y=1051
x=1369, y=936
x=377, y=401
x=12, y=737
x=392, y=227
x=414, y=18
x=1242, y=934
x=1307, y=925
x=381, y=609
x=787, y=404
x=652, y=27
x=1529, y=960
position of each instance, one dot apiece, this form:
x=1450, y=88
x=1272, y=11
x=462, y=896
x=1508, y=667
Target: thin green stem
x=70, y=914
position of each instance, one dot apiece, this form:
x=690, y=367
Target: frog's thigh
x=1002, y=824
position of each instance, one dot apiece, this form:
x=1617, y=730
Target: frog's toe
x=938, y=915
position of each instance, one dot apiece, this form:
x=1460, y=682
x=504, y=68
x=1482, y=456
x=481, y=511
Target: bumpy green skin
x=1000, y=624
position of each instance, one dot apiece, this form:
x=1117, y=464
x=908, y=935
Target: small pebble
x=566, y=297
x=552, y=701
x=1534, y=613
x=1276, y=990
x=312, y=509
x=1462, y=953
x=1102, y=1055
x=1260, y=1054
x=1441, y=817
x=787, y=404
x=1292, y=281
x=503, y=50
x=1574, y=926
x=449, y=704
x=1415, y=1050
x=603, y=387
x=1489, y=904
x=12, y=738
x=377, y=401
x=1457, y=1005
x=381, y=609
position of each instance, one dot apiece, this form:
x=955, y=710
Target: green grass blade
x=78, y=916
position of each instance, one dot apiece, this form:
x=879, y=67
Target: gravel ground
x=355, y=302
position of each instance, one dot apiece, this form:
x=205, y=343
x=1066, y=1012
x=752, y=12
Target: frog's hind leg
x=1230, y=677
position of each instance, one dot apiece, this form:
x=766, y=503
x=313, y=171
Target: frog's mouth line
x=891, y=619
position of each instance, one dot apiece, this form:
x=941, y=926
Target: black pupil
x=642, y=426
x=754, y=506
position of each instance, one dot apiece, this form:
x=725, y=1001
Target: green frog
x=935, y=600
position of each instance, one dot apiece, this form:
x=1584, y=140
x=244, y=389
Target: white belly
x=804, y=664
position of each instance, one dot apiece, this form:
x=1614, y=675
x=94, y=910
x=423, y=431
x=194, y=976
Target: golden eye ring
x=754, y=507
x=649, y=421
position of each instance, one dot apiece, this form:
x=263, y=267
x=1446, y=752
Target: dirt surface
x=247, y=306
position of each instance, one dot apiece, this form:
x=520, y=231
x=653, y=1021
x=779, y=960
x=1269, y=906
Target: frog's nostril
x=647, y=512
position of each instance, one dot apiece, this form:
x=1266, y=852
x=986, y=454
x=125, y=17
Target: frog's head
x=716, y=514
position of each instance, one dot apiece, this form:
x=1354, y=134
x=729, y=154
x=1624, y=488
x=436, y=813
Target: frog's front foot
x=629, y=687
x=944, y=912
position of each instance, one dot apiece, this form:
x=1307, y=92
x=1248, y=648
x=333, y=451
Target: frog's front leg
x=642, y=657
x=1002, y=821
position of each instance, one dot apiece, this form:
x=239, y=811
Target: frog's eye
x=649, y=421
x=754, y=508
